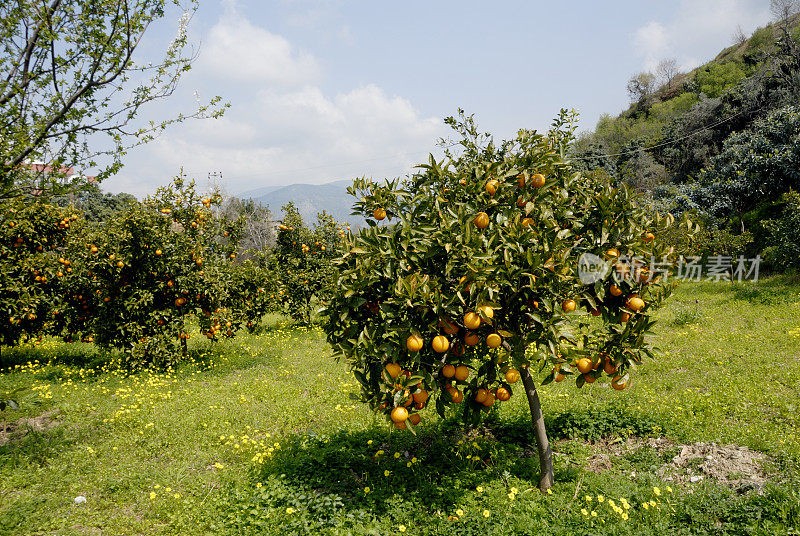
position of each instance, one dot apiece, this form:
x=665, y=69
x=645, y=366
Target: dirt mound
x=731, y=465
x=16, y=430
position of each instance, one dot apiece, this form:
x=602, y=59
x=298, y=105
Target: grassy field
x=262, y=435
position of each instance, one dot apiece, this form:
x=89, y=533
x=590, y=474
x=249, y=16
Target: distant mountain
x=309, y=199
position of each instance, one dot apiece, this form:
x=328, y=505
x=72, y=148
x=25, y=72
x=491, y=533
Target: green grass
x=262, y=435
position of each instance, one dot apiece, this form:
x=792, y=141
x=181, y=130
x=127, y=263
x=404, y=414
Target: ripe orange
x=568, y=306
x=612, y=252
x=414, y=343
x=393, y=369
x=158, y=252
x=462, y=373
x=448, y=371
x=480, y=395
x=472, y=320
x=492, y=186
x=503, y=394
x=487, y=311
x=379, y=213
x=440, y=344
x=559, y=375
x=609, y=367
x=493, y=340
x=490, y=399
x=414, y=419
x=635, y=303
x=471, y=339
x=457, y=395
x=649, y=237
x=120, y=264
x=521, y=181
x=448, y=326
x=93, y=249
x=512, y=375
x=399, y=414
x=421, y=396
x=481, y=220
x=595, y=312
x=625, y=317
x=585, y=365
x=615, y=383
x=537, y=180
x=400, y=425
x=589, y=379
x=614, y=290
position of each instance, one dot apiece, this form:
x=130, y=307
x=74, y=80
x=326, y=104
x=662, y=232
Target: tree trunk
x=540, y=432
x=184, y=349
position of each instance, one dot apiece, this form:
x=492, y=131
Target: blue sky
x=322, y=90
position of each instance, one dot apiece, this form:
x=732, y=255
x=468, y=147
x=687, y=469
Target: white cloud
x=652, y=42
x=282, y=128
x=702, y=28
x=293, y=136
x=237, y=50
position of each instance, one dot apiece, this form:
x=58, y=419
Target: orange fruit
x=399, y=414
x=481, y=220
x=585, y=365
x=414, y=418
x=649, y=237
x=493, y=340
x=414, y=343
x=462, y=373
x=421, y=396
x=612, y=252
x=448, y=326
x=589, y=379
x=537, y=180
x=595, y=312
x=617, y=385
x=379, y=213
x=492, y=186
x=625, y=317
x=559, y=376
x=512, y=375
x=440, y=344
x=609, y=367
x=472, y=320
x=521, y=181
x=614, y=290
x=503, y=394
x=448, y=371
x=635, y=303
x=471, y=339
x=457, y=395
x=480, y=395
x=527, y=222
x=400, y=425
x=393, y=369
x=487, y=311
x=490, y=399
x=568, y=306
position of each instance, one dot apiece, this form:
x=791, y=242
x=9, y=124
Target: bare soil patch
x=16, y=430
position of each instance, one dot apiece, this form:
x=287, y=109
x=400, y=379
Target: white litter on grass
x=80, y=499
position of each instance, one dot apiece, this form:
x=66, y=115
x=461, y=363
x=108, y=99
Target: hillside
x=720, y=143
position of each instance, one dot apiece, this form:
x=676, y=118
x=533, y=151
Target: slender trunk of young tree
x=540, y=432
x=184, y=348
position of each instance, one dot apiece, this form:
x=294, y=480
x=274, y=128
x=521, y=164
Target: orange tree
x=495, y=263
x=302, y=259
x=142, y=274
x=32, y=235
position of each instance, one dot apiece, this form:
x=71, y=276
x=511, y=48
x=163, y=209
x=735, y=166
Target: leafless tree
x=783, y=9
x=739, y=36
x=666, y=70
